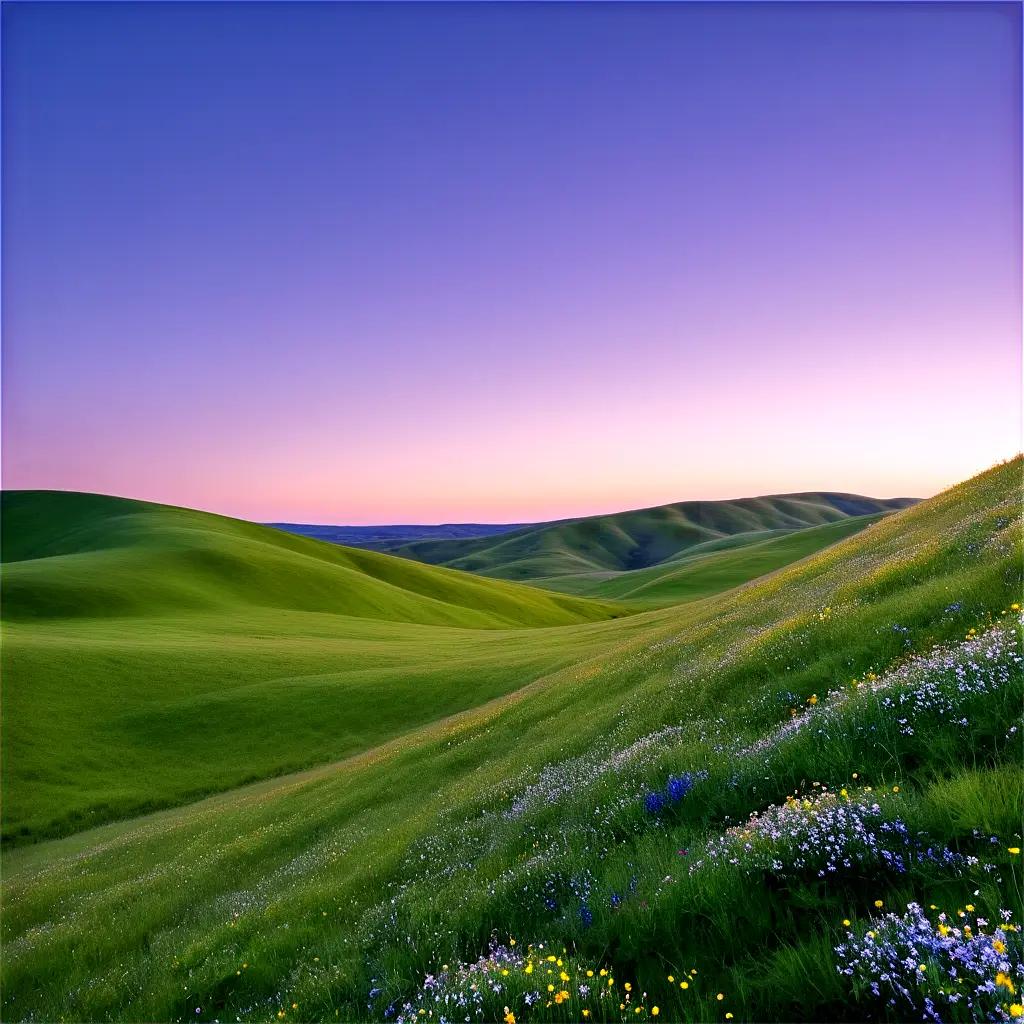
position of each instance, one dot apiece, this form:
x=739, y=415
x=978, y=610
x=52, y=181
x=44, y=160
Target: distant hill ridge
x=641, y=538
x=384, y=538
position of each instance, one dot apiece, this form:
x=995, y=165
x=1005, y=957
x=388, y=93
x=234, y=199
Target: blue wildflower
x=679, y=786
x=654, y=803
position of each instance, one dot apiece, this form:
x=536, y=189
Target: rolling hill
x=640, y=539
x=716, y=809
x=207, y=652
x=88, y=555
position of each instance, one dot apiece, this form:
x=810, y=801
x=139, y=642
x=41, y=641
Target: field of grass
x=744, y=808
x=642, y=538
x=155, y=654
x=708, y=568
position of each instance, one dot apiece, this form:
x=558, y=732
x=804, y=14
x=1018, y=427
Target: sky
x=440, y=263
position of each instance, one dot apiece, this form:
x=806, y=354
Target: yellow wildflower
x=1016, y=1010
x=510, y=1017
x=879, y=904
x=1006, y=982
x=1014, y=850
x=655, y=1011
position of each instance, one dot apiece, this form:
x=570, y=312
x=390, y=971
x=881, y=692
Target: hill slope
x=154, y=654
x=717, y=810
x=639, y=539
x=87, y=555
x=709, y=568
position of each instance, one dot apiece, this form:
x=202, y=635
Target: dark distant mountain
x=383, y=538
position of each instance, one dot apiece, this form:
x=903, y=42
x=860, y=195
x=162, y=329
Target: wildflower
x=1014, y=607
x=528, y=969
x=728, y=1016
x=628, y=987
x=655, y=1011
x=510, y=1017
x=1005, y=981
x=879, y=904
x=654, y=803
x=586, y=1013
x=720, y=996
x=846, y=922
x=684, y=984
x=1016, y=1010
x=1014, y=850
x=590, y=974
x=999, y=946
x=563, y=976
x=671, y=979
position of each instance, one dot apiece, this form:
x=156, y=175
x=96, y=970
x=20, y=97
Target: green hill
x=86, y=555
x=723, y=811
x=629, y=541
x=153, y=654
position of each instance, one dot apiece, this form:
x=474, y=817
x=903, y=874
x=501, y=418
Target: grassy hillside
x=153, y=654
x=639, y=539
x=711, y=567
x=89, y=555
x=725, y=816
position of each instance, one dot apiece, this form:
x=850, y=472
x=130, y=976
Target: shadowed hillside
x=627, y=541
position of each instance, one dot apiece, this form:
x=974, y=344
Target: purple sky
x=388, y=263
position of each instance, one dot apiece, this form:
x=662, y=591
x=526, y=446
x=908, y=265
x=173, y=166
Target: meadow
x=798, y=799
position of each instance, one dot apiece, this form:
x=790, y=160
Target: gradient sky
x=389, y=263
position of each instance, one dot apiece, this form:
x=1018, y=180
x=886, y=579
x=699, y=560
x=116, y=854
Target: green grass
x=70, y=555
x=708, y=568
x=156, y=654
x=642, y=538
x=295, y=898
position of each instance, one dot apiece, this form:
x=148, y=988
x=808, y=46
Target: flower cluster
x=825, y=833
x=675, y=789
x=509, y=985
x=957, y=966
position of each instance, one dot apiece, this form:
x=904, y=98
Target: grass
x=208, y=652
x=642, y=538
x=690, y=801
x=708, y=568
